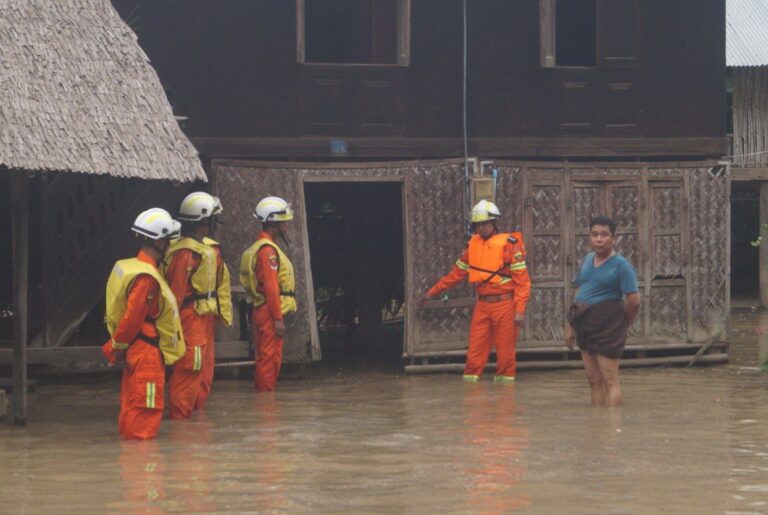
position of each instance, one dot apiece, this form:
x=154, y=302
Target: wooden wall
x=750, y=116
x=673, y=227
x=232, y=68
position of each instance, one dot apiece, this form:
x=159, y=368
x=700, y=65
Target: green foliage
x=759, y=240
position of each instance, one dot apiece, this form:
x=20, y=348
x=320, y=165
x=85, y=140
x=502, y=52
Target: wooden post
x=764, y=247
x=20, y=222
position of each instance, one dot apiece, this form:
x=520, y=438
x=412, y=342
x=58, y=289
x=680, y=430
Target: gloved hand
x=114, y=356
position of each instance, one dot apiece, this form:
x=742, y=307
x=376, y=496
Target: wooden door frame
x=407, y=282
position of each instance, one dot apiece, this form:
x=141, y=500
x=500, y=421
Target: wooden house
x=409, y=110
x=747, y=61
x=86, y=130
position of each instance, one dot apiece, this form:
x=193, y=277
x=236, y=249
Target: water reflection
x=685, y=441
x=142, y=476
x=496, y=441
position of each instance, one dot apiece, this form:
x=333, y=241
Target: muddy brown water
x=686, y=441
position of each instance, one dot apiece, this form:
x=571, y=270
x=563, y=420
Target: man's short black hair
x=603, y=220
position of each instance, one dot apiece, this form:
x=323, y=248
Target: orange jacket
x=266, y=274
x=520, y=282
x=183, y=264
x=143, y=305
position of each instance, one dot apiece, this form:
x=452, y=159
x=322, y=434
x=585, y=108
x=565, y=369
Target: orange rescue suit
x=185, y=384
x=144, y=363
x=496, y=267
x=269, y=347
x=206, y=381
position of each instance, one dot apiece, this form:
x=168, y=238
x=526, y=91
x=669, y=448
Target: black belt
x=155, y=342
x=282, y=293
x=200, y=296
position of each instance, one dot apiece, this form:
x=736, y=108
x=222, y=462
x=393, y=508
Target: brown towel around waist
x=600, y=328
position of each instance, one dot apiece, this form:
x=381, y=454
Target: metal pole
x=763, y=254
x=467, y=199
x=20, y=222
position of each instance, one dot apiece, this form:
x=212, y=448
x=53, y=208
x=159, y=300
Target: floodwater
x=686, y=441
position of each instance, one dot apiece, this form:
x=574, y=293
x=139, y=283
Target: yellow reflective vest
x=125, y=271
x=285, y=277
x=212, y=289
x=223, y=287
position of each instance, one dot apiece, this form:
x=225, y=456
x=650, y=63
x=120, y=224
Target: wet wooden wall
x=750, y=116
x=232, y=68
x=673, y=227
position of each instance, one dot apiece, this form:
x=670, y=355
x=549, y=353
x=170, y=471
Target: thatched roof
x=77, y=93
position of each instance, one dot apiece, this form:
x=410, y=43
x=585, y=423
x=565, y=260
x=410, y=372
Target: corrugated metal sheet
x=77, y=93
x=746, y=33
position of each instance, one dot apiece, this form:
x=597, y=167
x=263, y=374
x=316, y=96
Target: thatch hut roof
x=77, y=93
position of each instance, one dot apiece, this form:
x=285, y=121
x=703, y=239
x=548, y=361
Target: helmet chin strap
x=283, y=236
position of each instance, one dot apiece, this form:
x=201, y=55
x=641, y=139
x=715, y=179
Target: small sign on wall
x=339, y=146
x=482, y=189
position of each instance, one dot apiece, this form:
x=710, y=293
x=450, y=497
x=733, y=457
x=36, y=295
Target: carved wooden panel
x=544, y=256
x=240, y=187
x=509, y=197
x=667, y=206
x=444, y=329
x=546, y=207
x=624, y=201
x=710, y=206
x=668, y=311
x=545, y=316
x=437, y=237
x=586, y=204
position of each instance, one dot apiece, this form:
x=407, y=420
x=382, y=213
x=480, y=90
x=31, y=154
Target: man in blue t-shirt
x=606, y=304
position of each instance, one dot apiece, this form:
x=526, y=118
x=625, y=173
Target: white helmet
x=484, y=211
x=273, y=209
x=156, y=224
x=199, y=205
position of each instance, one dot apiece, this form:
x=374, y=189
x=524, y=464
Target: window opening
x=576, y=32
x=353, y=31
x=568, y=33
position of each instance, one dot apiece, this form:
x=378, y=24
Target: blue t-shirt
x=611, y=280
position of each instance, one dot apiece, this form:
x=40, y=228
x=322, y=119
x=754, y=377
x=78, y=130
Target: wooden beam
x=556, y=364
x=763, y=255
x=20, y=224
x=749, y=174
x=65, y=357
x=425, y=148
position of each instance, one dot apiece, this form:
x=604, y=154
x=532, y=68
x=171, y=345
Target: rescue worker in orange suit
x=495, y=264
x=199, y=280
x=266, y=273
x=144, y=326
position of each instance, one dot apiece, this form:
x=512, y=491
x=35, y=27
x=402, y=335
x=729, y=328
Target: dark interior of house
x=745, y=228
x=356, y=251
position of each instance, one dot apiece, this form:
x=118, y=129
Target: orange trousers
x=269, y=350
x=206, y=375
x=492, y=324
x=185, y=384
x=141, y=393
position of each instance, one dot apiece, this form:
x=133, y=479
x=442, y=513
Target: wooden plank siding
x=750, y=119
x=232, y=69
x=672, y=227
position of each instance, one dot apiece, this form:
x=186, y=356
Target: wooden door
x=544, y=218
x=622, y=201
x=436, y=236
x=667, y=285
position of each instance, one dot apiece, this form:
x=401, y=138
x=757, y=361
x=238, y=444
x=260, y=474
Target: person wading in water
x=607, y=302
